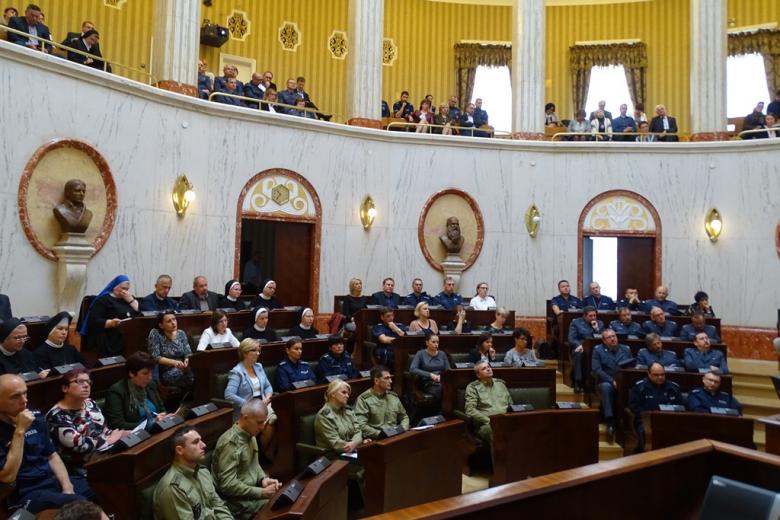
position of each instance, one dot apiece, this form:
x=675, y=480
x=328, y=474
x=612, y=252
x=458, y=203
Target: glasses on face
x=82, y=382
x=21, y=338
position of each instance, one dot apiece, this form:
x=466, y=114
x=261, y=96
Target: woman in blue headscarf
x=109, y=308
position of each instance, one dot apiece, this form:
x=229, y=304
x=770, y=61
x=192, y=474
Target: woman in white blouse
x=218, y=335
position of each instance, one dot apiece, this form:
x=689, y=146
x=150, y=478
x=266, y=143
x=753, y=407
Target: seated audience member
x=231, y=298
x=480, y=119
x=14, y=358
x=701, y=303
x=305, y=328
x=603, y=108
x=171, y=351
x=417, y=295
x=386, y=297
x=601, y=127
x=337, y=361
x=269, y=100
x=238, y=477
x=486, y=396
x=428, y=364
x=230, y=87
x=639, y=113
x=654, y=353
x=402, y=109
x=292, y=369
x=482, y=301
x=580, y=126
x=608, y=358
x=631, y=300
x=453, y=108
x=379, y=407
x=772, y=126
x=8, y=13
x=522, y=353
x=754, y=120
x=663, y=124
x=423, y=117
x=187, y=486
x=228, y=71
x=267, y=296
x=624, y=325
x=699, y=324
x=260, y=328
x=32, y=25
x=623, y=124
x=335, y=426
x=597, y=300
x=159, y=300
x=499, y=324
x=218, y=335
x=422, y=312
x=661, y=300
x=300, y=91
x=550, y=117
x=703, y=357
x=466, y=122
x=255, y=89
x=252, y=273
x=643, y=133
x=581, y=329
x=247, y=380
x=199, y=298
x=55, y=350
x=88, y=43
x=565, y=301
x=448, y=298
x=81, y=510
x=300, y=110
x=205, y=83
x=484, y=349
x=113, y=305
x=28, y=459
x=268, y=80
x=385, y=109
x=384, y=333
x=658, y=324
x=135, y=398
x=709, y=396
x=647, y=394
x=288, y=96
x=460, y=325
x=5, y=308
x=71, y=36
x=355, y=300
x=444, y=119
x=76, y=424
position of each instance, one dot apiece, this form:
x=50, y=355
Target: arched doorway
x=279, y=215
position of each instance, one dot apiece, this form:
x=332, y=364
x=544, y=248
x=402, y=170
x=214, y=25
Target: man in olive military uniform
x=378, y=407
x=238, y=477
x=648, y=394
x=186, y=490
x=485, y=397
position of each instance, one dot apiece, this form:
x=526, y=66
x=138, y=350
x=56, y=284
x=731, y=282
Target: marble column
x=73, y=253
x=364, y=62
x=708, y=69
x=528, y=69
x=175, y=47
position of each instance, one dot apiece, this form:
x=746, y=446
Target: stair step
x=742, y=388
x=609, y=451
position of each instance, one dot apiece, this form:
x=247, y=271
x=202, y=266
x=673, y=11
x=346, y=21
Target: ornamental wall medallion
x=279, y=195
x=290, y=36
x=619, y=213
x=116, y=4
x=389, y=52
x=337, y=44
x=239, y=25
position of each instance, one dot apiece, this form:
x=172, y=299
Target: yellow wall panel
x=753, y=12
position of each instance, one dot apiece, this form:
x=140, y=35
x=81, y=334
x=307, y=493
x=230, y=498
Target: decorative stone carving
x=389, y=52
x=279, y=195
x=452, y=240
x=116, y=4
x=72, y=214
x=239, y=25
x=337, y=45
x=619, y=213
x=290, y=36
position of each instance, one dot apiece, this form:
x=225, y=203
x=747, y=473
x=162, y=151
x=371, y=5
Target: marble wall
x=150, y=136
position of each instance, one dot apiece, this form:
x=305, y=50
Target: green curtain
x=469, y=56
x=765, y=42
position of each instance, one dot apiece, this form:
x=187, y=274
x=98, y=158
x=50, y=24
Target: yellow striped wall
x=125, y=34
x=753, y=12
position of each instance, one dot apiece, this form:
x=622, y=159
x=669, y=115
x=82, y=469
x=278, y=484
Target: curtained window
x=609, y=84
x=765, y=42
x=745, y=85
x=632, y=56
x=493, y=86
x=469, y=56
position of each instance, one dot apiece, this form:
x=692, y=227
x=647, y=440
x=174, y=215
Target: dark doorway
x=618, y=263
x=286, y=252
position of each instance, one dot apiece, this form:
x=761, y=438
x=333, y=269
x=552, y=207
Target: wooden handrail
x=629, y=134
x=753, y=131
x=255, y=100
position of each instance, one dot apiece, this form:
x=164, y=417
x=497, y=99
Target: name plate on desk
x=330, y=379
x=189, y=311
x=289, y=495
x=303, y=384
x=466, y=365
x=405, y=307
x=316, y=467
x=29, y=376
x=149, y=313
x=391, y=431
x=166, y=424
x=521, y=407
x=128, y=441
x=62, y=369
x=214, y=346
x=671, y=407
x=527, y=364
x=718, y=410
x=705, y=370
x=499, y=364
x=568, y=405
x=365, y=373
x=430, y=421
x=201, y=410
x=674, y=368
x=22, y=514
x=112, y=360
x=373, y=307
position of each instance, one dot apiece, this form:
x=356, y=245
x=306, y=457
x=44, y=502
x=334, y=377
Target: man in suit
x=230, y=88
x=85, y=26
x=255, y=89
x=205, y=85
x=607, y=113
x=229, y=71
x=200, y=298
x=289, y=96
x=480, y=118
x=87, y=43
x=386, y=297
x=31, y=23
x=663, y=123
x=302, y=94
x=5, y=308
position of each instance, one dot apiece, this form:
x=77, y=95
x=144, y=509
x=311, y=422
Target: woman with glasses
x=218, y=335
x=482, y=301
x=522, y=353
x=14, y=358
x=76, y=424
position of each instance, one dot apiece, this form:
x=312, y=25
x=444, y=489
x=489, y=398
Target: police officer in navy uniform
x=581, y=329
x=565, y=301
x=417, y=295
x=448, y=298
x=383, y=334
x=598, y=300
x=608, y=358
x=293, y=369
x=624, y=325
x=709, y=396
x=655, y=353
x=659, y=324
x=631, y=300
x=701, y=355
x=336, y=362
x=648, y=394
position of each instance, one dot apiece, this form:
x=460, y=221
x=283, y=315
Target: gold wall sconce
x=182, y=195
x=367, y=212
x=532, y=220
x=713, y=225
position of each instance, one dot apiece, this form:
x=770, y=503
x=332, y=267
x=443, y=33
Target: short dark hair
x=520, y=332
x=386, y=279
x=376, y=372
x=137, y=361
x=560, y=282
x=548, y=106
x=483, y=338
x=71, y=375
x=335, y=339
x=33, y=7
x=215, y=317
x=404, y=92
x=644, y=123
x=300, y=78
x=588, y=308
x=181, y=431
x=161, y=316
x=79, y=510
x=698, y=313
x=700, y=295
x=384, y=311
x=10, y=9
x=292, y=341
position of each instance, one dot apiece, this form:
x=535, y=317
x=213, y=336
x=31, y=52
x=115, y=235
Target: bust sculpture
x=452, y=239
x=71, y=213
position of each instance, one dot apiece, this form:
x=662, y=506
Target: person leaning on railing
x=270, y=95
x=88, y=43
x=32, y=25
x=444, y=119
x=230, y=88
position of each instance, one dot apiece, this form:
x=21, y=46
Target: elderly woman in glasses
x=14, y=358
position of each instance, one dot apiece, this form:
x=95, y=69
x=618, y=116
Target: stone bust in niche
x=452, y=239
x=71, y=213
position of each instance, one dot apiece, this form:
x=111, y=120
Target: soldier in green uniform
x=335, y=428
x=186, y=491
x=485, y=397
x=379, y=407
x=239, y=479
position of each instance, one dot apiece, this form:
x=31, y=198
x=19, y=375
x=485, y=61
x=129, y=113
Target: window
x=604, y=266
x=745, y=84
x=608, y=84
x=493, y=86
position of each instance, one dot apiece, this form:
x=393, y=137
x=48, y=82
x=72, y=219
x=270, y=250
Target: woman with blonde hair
x=355, y=300
x=423, y=322
x=335, y=428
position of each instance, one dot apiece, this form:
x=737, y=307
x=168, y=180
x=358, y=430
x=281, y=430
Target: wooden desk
x=530, y=444
x=667, y=483
x=290, y=407
x=324, y=497
x=118, y=479
x=458, y=378
x=664, y=429
x=772, y=429
x=414, y=467
x=42, y=394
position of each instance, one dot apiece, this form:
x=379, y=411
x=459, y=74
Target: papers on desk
x=104, y=448
x=421, y=428
x=141, y=425
x=349, y=456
